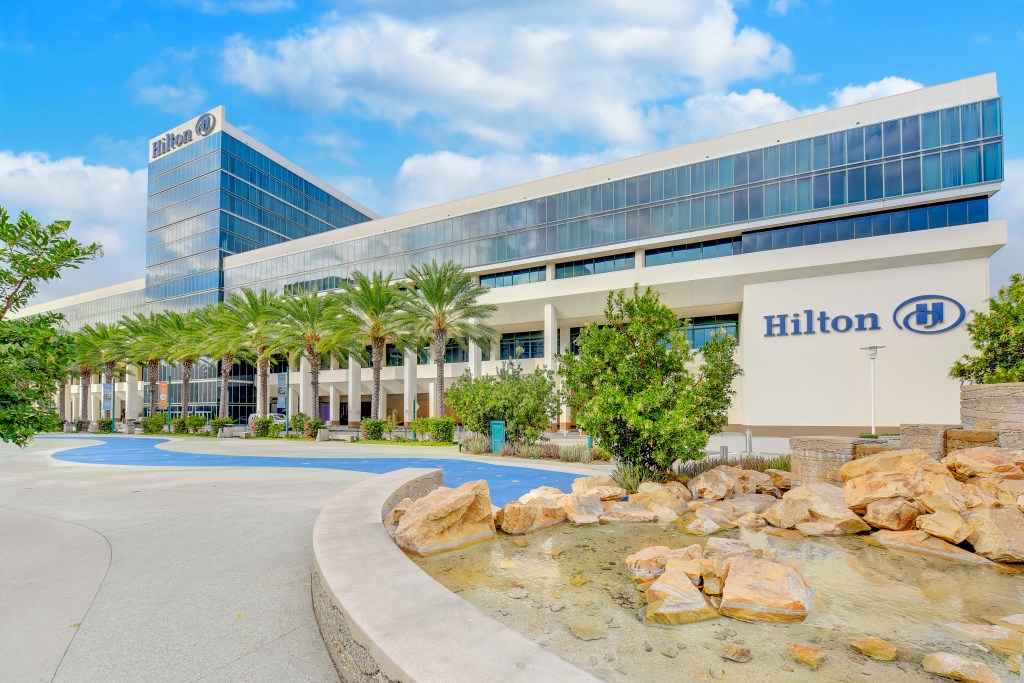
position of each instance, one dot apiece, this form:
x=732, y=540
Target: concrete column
x=69, y=401
x=431, y=390
x=475, y=356
x=259, y=389
x=550, y=335
x=496, y=350
x=334, y=396
x=564, y=416
x=550, y=272
x=95, y=403
x=335, y=365
x=409, y=386
x=131, y=393
x=639, y=258
x=355, y=391
x=295, y=402
x=307, y=402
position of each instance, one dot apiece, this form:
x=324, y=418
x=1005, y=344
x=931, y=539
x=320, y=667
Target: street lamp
x=872, y=355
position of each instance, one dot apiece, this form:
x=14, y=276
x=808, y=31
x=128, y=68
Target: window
x=454, y=352
x=893, y=179
x=911, y=175
x=891, y=138
x=991, y=123
x=531, y=344
x=951, y=169
x=514, y=277
x=699, y=331
x=970, y=122
x=820, y=191
x=873, y=142
x=820, y=152
x=855, y=185
x=874, y=181
x=911, y=134
x=593, y=266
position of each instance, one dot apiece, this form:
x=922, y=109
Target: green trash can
x=497, y=435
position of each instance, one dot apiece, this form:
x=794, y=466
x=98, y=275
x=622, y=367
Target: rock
x=808, y=656
x=539, y=513
x=751, y=520
x=765, y=591
x=999, y=639
x=1014, y=622
x=1013, y=663
x=957, y=668
x=715, y=484
x=712, y=573
x=942, y=492
x=819, y=502
x=1004, y=491
x=677, y=487
x=947, y=525
x=447, y=518
x=516, y=593
x=651, y=493
x=997, y=533
x=736, y=653
x=726, y=548
x=669, y=650
x=876, y=648
x=399, y=510
x=781, y=479
x=871, y=487
x=895, y=514
x=583, y=508
x=744, y=503
x=578, y=581
x=650, y=562
x=520, y=542
x=624, y=512
x=911, y=460
x=673, y=599
x=786, y=514
x=702, y=526
x=542, y=492
x=1020, y=503
x=922, y=544
x=583, y=483
x=585, y=630
x=819, y=529
x=986, y=461
x=607, y=493
x=554, y=552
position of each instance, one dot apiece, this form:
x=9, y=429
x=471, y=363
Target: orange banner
x=162, y=395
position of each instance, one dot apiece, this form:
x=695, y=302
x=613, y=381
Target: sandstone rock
x=957, y=668
x=895, y=514
x=997, y=534
x=539, y=513
x=1020, y=503
x=662, y=513
x=677, y=487
x=863, y=490
x=947, y=525
x=673, y=599
x=713, y=573
x=744, y=503
x=399, y=510
x=876, y=648
x=986, y=461
x=766, y=591
x=623, y=512
x=447, y=518
x=649, y=493
x=609, y=493
x=585, y=630
x=715, y=484
x=999, y=639
x=709, y=520
x=583, y=483
x=582, y=508
x=786, y=514
x=1004, y=491
x=1014, y=622
x=781, y=479
x=819, y=529
x=889, y=461
x=808, y=656
x=817, y=502
x=942, y=492
x=1013, y=663
x=542, y=492
x=702, y=526
x=650, y=562
x=922, y=544
x=751, y=520
x=736, y=653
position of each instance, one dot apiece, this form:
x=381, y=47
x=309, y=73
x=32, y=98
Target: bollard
x=323, y=434
x=723, y=452
x=750, y=441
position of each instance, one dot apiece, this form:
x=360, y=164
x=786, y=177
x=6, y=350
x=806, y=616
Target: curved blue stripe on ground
x=506, y=482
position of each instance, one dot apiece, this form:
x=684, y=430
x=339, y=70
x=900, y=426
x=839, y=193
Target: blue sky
x=404, y=104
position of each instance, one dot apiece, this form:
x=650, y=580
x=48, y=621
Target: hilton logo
x=925, y=314
x=204, y=126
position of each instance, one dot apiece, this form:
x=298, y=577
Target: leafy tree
x=35, y=359
x=445, y=305
x=631, y=387
x=31, y=253
x=188, y=339
x=999, y=338
x=147, y=345
x=526, y=401
x=85, y=359
x=107, y=345
x=375, y=309
x=252, y=318
x=221, y=343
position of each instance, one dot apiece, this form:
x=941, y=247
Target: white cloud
x=169, y=84
x=245, y=6
x=106, y=204
x=782, y=7
x=1008, y=205
x=855, y=94
x=481, y=73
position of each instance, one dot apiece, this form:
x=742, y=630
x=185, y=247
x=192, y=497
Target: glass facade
x=951, y=148
x=514, y=277
x=530, y=343
x=699, y=331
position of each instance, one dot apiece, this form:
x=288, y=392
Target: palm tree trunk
x=440, y=342
x=226, y=361
x=377, y=358
x=62, y=401
x=108, y=378
x=264, y=374
x=315, y=361
x=154, y=375
x=186, y=385
x=85, y=381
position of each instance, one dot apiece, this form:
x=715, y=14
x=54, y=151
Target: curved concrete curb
x=384, y=619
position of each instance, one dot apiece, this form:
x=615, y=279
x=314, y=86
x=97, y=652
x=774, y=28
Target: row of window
x=189, y=265
x=184, y=155
x=594, y=266
x=863, y=183
x=694, y=251
x=183, y=229
x=207, y=163
x=508, y=278
x=184, y=286
x=183, y=192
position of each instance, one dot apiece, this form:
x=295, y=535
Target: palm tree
x=85, y=355
x=107, y=345
x=147, y=345
x=314, y=326
x=376, y=311
x=252, y=318
x=186, y=337
x=445, y=305
x=222, y=343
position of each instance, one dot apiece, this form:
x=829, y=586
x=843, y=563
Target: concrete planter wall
x=993, y=406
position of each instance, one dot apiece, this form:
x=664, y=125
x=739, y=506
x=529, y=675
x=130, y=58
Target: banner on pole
x=282, y=387
x=108, y=396
x=162, y=395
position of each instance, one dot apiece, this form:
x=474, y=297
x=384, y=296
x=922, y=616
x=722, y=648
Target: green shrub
x=371, y=429
x=867, y=436
x=81, y=426
x=442, y=429
x=262, y=426
x=103, y=426
x=154, y=424
x=275, y=430
x=996, y=335
x=421, y=426
x=692, y=468
x=630, y=477
x=311, y=427
x=599, y=453
x=218, y=422
x=297, y=423
x=50, y=422
x=577, y=452
x=178, y=425
x=476, y=444
x=195, y=423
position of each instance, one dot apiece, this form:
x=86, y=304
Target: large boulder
x=942, y=492
x=921, y=543
x=542, y=492
x=958, y=669
x=651, y=493
x=582, y=508
x=624, y=512
x=724, y=481
x=818, y=502
x=538, y=513
x=649, y=563
x=911, y=460
x=782, y=479
x=744, y=503
x=673, y=599
x=581, y=484
x=447, y=518
x=709, y=520
x=986, y=461
x=895, y=514
x=764, y=591
x=879, y=486
x=997, y=533
x=1005, y=492
x=609, y=493
x=944, y=524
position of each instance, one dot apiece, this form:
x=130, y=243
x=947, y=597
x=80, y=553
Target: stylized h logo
x=928, y=315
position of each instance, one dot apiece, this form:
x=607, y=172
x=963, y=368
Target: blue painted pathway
x=506, y=482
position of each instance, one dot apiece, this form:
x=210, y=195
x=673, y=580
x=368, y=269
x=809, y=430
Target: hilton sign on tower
x=198, y=128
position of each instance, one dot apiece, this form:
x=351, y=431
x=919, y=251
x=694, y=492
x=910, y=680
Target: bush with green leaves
x=178, y=425
x=598, y=453
x=195, y=423
x=218, y=422
x=154, y=424
x=630, y=386
x=309, y=429
x=263, y=426
x=526, y=401
x=476, y=444
x=297, y=423
x=442, y=429
x=998, y=337
x=103, y=426
x=576, y=452
x=371, y=429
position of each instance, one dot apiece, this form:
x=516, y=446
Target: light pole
x=872, y=355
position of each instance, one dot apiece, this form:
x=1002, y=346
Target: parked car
x=277, y=417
